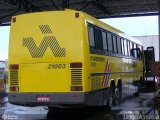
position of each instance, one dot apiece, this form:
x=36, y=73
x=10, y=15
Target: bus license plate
x=43, y=99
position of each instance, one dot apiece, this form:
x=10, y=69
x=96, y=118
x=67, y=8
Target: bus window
x=122, y=45
x=119, y=45
x=139, y=52
x=128, y=45
x=135, y=52
x=131, y=50
x=140, y=47
x=104, y=40
x=115, y=44
x=110, y=44
x=125, y=48
x=91, y=37
x=98, y=39
x=131, y=47
x=137, y=46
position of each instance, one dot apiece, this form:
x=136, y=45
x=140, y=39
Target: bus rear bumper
x=47, y=99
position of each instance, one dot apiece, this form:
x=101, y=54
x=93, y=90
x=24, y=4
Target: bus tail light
x=76, y=65
x=14, y=67
x=14, y=88
x=76, y=88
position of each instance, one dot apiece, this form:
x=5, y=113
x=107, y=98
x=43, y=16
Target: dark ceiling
x=97, y=8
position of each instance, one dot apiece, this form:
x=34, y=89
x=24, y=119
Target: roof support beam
x=65, y=4
x=9, y=3
x=54, y=4
x=9, y=14
x=13, y=12
x=129, y=15
x=28, y=6
x=12, y=2
x=158, y=1
x=19, y=4
x=100, y=6
x=86, y=5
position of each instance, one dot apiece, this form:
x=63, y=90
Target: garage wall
x=148, y=41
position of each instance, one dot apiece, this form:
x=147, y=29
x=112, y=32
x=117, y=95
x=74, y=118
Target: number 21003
x=56, y=66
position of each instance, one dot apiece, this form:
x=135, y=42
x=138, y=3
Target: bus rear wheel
x=111, y=95
x=118, y=94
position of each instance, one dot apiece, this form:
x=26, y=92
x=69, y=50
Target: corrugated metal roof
x=97, y=8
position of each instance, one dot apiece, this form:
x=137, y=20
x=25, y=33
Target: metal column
x=159, y=25
x=159, y=32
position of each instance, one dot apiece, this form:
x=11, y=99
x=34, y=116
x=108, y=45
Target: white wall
x=4, y=64
x=148, y=41
x=3, y=69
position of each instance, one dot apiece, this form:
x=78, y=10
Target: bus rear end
x=46, y=59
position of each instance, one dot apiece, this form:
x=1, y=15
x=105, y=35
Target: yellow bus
x=70, y=59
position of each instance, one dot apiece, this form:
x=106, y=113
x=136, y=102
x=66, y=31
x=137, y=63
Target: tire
x=118, y=94
x=111, y=95
x=136, y=94
x=140, y=85
x=55, y=114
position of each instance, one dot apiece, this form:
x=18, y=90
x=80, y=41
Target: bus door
x=149, y=59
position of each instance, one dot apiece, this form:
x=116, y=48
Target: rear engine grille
x=76, y=76
x=14, y=77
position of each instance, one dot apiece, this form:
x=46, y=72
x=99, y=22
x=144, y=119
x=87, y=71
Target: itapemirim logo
x=47, y=42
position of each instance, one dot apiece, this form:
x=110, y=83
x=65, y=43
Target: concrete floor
x=132, y=108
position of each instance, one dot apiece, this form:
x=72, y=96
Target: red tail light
x=76, y=65
x=76, y=88
x=14, y=67
x=14, y=88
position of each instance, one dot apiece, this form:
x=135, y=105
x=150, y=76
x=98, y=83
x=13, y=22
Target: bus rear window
x=91, y=36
